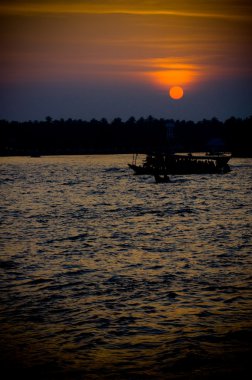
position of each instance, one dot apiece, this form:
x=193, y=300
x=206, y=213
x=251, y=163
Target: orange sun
x=176, y=92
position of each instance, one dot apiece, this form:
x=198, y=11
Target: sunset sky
x=119, y=58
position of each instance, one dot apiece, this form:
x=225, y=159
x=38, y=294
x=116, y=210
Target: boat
x=182, y=163
x=146, y=167
x=161, y=178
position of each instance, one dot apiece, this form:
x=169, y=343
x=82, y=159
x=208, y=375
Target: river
x=108, y=275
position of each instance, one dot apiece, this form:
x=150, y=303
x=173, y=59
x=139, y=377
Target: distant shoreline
x=73, y=137
x=93, y=153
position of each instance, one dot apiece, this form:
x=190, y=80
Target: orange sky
x=160, y=43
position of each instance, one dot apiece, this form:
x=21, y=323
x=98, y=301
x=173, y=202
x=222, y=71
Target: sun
x=176, y=92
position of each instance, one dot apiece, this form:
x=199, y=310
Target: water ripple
x=105, y=275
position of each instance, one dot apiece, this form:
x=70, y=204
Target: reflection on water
x=107, y=275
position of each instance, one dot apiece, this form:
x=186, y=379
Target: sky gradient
x=94, y=59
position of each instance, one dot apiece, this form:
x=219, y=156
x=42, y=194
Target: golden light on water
x=159, y=270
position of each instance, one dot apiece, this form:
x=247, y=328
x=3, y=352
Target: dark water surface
x=107, y=275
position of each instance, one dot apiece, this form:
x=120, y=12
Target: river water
x=108, y=275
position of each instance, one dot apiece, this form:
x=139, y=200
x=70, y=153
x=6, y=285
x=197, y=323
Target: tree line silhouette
x=73, y=136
